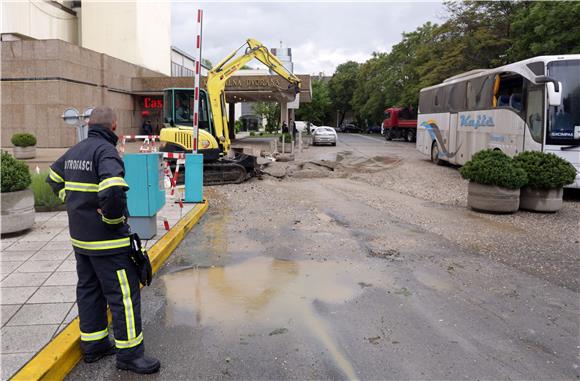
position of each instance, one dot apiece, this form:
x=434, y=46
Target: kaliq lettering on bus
x=480, y=121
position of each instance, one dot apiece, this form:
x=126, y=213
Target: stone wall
x=42, y=78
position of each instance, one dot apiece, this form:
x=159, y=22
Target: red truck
x=400, y=122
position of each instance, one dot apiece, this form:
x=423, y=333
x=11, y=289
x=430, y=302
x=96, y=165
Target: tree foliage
x=545, y=28
x=271, y=112
x=341, y=87
x=478, y=34
x=318, y=111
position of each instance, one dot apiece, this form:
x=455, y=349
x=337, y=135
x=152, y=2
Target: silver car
x=324, y=135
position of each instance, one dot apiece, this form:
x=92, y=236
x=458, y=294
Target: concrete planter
x=492, y=199
x=541, y=200
x=24, y=152
x=17, y=211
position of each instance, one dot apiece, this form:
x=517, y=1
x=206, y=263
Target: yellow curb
x=63, y=352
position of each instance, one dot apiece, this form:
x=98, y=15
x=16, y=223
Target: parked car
x=301, y=126
x=349, y=127
x=324, y=135
x=374, y=129
x=312, y=128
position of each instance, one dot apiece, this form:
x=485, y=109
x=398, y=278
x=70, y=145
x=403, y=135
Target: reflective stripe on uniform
x=111, y=182
x=113, y=221
x=81, y=187
x=122, y=344
x=94, y=336
x=101, y=245
x=62, y=194
x=55, y=176
x=128, y=303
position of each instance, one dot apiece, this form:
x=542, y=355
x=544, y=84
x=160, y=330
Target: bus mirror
x=554, y=93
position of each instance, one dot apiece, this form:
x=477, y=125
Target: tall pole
x=197, y=79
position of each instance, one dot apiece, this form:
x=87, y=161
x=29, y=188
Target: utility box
x=144, y=173
x=193, y=177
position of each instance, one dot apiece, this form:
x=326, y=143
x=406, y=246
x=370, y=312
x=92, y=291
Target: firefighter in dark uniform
x=89, y=178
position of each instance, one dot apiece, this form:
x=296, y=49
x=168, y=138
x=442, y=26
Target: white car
x=300, y=126
x=312, y=128
x=324, y=135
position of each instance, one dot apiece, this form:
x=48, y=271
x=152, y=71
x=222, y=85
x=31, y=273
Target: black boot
x=94, y=357
x=142, y=365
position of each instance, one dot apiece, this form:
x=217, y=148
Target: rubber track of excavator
x=223, y=173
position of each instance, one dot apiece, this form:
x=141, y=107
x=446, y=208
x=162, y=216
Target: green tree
x=544, y=28
x=319, y=110
x=207, y=63
x=341, y=87
x=270, y=111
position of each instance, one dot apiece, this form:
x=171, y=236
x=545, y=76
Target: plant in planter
x=547, y=175
x=44, y=198
x=17, y=201
x=494, y=182
x=24, y=145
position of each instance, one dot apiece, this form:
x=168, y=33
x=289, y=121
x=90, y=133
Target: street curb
x=63, y=352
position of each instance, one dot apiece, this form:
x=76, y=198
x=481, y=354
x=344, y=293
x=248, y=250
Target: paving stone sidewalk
x=38, y=284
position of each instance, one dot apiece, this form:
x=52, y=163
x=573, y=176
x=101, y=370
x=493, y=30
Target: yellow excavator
x=220, y=165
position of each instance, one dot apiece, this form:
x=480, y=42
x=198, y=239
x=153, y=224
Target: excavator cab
x=178, y=118
x=178, y=110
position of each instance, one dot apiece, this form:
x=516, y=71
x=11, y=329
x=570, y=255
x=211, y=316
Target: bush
x=545, y=170
x=252, y=133
x=237, y=126
x=286, y=137
x=23, y=140
x=14, y=174
x=43, y=194
x=489, y=167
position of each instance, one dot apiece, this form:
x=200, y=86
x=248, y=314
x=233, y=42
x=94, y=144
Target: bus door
x=453, y=137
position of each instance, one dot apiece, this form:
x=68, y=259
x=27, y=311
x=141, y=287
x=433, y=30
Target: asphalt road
x=308, y=279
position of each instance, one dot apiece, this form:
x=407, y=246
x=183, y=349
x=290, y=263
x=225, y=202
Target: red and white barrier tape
x=147, y=146
x=174, y=155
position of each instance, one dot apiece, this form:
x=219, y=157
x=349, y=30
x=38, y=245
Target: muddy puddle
x=260, y=289
x=274, y=297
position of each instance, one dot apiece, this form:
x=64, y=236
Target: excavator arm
x=217, y=77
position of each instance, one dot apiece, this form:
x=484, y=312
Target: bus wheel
x=410, y=136
x=435, y=154
x=388, y=134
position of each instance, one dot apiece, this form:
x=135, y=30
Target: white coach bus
x=531, y=105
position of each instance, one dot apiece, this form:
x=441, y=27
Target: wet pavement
x=298, y=280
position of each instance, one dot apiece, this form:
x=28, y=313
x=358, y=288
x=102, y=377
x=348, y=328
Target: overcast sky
x=322, y=35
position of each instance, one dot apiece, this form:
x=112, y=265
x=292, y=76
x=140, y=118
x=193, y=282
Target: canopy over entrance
x=239, y=88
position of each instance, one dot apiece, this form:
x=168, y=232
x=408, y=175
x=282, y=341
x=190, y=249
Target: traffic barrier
x=147, y=146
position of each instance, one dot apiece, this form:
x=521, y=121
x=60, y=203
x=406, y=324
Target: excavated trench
x=344, y=166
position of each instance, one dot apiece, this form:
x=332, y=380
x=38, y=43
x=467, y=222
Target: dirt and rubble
x=407, y=186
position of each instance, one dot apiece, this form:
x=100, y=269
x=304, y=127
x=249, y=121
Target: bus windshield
x=564, y=120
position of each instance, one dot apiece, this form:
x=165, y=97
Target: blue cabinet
x=145, y=176
x=144, y=173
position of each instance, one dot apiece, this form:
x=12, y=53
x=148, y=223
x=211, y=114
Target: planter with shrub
x=17, y=201
x=494, y=182
x=547, y=175
x=24, y=146
x=44, y=198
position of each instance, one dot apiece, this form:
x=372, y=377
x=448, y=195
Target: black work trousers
x=109, y=279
